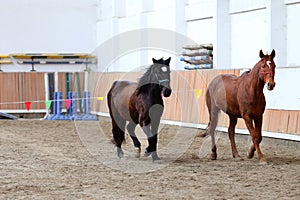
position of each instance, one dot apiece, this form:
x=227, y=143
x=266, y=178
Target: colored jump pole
x=46, y=79
x=87, y=100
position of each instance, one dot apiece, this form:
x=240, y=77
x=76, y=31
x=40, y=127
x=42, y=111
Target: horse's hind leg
x=231, y=132
x=211, y=130
x=118, y=126
x=213, y=121
x=130, y=128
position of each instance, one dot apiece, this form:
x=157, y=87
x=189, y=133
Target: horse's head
x=267, y=69
x=161, y=71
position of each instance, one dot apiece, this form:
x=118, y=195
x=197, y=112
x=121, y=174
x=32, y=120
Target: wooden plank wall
x=183, y=105
x=21, y=87
x=17, y=88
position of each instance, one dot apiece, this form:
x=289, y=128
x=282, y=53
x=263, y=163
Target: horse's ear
x=167, y=62
x=154, y=61
x=261, y=54
x=273, y=54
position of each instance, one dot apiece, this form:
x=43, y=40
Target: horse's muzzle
x=166, y=91
x=270, y=86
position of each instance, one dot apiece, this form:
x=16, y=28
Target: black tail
x=118, y=124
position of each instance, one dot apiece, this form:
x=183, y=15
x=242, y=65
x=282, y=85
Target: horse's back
x=119, y=97
x=222, y=93
x=221, y=83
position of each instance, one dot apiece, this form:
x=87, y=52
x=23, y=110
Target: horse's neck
x=254, y=81
x=149, y=89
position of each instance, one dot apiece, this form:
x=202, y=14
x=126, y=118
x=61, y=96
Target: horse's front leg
x=131, y=130
x=255, y=135
x=258, y=138
x=152, y=141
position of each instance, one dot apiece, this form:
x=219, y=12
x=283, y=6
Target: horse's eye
x=164, y=69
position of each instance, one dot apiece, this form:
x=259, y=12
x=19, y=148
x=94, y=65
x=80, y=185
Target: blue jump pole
x=87, y=107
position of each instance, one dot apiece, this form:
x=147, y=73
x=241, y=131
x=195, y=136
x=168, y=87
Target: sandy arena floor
x=67, y=160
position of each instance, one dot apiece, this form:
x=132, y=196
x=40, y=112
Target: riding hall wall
x=20, y=87
x=186, y=104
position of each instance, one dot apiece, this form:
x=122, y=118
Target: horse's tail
x=204, y=132
x=117, y=121
x=208, y=104
x=109, y=97
x=208, y=100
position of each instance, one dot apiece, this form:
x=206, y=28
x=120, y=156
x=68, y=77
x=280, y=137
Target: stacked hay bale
x=198, y=56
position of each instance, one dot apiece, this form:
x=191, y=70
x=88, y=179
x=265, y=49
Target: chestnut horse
x=140, y=103
x=241, y=97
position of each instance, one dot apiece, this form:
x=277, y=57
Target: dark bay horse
x=140, y=103
x=241, y=97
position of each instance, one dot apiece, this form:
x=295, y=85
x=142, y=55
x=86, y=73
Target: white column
x=277, y=27
x=119, y=12
x=55, y=81
x=222, y=43
x=147, y=7
x=181, y=28
x=119, y=9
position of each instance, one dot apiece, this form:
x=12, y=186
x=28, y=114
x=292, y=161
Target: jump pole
x=87, y=100
x=46, y=79
x=57, y=102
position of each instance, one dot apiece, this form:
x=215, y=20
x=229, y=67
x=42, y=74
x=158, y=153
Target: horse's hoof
x=146, y=153
x=213, y=156
x=251, y=152
x=237, y=156
x=137, y=151
x=120, y=153
x=262, y=161
x=155, y=156
x=250, y=155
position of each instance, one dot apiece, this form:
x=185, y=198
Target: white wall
x=120, y=36
x=249, y=26
x=249, y=35
x=43, y=26
x=293, y=33
x=47, y=26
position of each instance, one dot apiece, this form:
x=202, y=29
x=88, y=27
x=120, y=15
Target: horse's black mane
x=147, y=79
